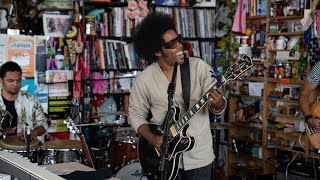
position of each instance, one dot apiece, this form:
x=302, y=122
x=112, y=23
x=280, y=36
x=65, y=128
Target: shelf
x=187, y=7
x=115, y=93
x=243, y=125
x=284, y=100
x=255, y=18
x=256, y=78
x=285, y=81
x=123, y=38
x=286, y=116
x=247, y=96
x=290, y=149
x=253, y=170
x=300, y=33
x=247, y=140
x=112, y=4
x=275, y=50
x=295, y=134
x=279, y=18
x=260, y=47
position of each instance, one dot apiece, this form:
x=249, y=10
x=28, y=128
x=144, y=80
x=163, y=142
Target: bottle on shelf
x=304, y=64
x=296, y=70
x=269, y=139
x=281, y=71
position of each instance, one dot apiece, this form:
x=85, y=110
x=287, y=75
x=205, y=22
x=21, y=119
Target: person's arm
x=38, y=131
x=138, y=113
x=304, y=103
x=39, y=120
x=217, y=101
x=153, y=139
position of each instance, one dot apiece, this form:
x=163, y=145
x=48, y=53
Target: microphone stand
x=168, y=118
x=28, y=137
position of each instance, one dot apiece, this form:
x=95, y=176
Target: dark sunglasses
x=173, y=43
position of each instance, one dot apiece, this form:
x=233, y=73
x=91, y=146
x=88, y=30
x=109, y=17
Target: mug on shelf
x=280, y=44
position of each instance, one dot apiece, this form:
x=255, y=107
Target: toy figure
x=3, y=19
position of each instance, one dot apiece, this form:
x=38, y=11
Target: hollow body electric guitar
x=312, y=134
x=179, y=141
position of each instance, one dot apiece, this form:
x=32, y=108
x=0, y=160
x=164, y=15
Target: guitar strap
x=185, y=81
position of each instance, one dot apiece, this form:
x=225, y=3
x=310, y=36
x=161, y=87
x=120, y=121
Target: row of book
x=257, y=7
x=115, y=23
x=115, y=54
x=190, y=22
x=202, y=49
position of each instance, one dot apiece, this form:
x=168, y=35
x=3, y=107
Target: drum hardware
x=103, y=114
x=124, y=149
x=28, y=138
x=18, y=145
x=100, y=123
x=131, y=171
x=5, y=121
x=60, y=151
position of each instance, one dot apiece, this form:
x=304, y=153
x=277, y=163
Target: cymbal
x=221, y=126
x=103, y=114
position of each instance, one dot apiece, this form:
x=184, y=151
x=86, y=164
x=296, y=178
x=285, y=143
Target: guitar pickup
x=173, y=131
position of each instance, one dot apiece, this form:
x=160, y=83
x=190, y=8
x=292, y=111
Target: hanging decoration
x=137, y=9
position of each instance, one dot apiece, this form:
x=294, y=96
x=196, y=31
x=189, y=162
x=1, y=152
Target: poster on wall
x=21, y=50
x=3, y=49
x=56, y=25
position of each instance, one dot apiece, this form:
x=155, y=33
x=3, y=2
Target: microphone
x=235, y=146
x=28, y=137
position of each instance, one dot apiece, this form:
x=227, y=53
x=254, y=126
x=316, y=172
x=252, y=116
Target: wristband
x=307, y=117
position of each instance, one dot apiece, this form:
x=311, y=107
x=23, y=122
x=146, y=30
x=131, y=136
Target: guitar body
x=149, y=157
x=312, y=134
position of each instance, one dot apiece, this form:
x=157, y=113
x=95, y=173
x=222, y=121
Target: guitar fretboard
x=189, y=114
x=232, y=72
x=184, y=120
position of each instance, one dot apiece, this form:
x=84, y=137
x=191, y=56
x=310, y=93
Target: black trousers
x=203, y=173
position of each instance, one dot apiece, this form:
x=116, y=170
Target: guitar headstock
x=71, y=126
x=238, y=68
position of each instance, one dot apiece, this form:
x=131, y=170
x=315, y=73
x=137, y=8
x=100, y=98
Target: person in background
x=157, y=41
x=309, y=86
x=24, y=107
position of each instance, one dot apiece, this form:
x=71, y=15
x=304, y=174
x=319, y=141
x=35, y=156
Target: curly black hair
x=9, y=66
x=147, y=37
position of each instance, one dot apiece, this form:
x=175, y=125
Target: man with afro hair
x=157, y=41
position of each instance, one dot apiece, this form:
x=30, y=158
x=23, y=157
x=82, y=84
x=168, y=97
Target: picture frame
x=56, y=25
x=286, y=91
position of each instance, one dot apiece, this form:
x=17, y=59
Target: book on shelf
x=58, y=76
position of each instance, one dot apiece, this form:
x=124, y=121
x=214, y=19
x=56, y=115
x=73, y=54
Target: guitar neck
x=86, y=150
x=185, y=119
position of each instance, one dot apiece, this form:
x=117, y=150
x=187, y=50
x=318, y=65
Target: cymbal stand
x=216, y=142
